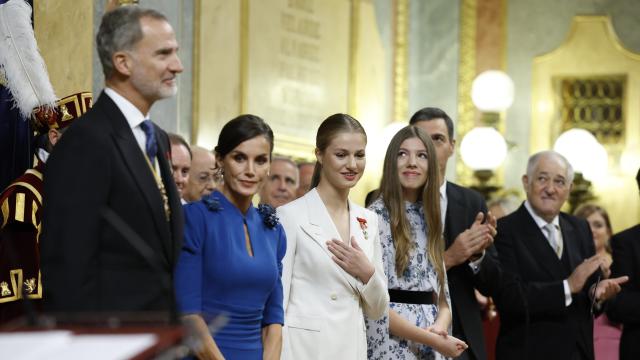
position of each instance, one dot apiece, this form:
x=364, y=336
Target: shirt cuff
x=475, y=264
x=567, y=293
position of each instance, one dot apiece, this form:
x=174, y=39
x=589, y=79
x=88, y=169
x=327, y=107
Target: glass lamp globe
x=584, y=152
x=575, y=145
x=492, y=91
x=483, y=148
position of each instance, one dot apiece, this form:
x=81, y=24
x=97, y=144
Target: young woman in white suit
x=332, y=271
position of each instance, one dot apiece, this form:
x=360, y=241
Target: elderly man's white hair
x=535, y=159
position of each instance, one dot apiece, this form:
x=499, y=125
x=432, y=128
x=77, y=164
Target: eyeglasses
x=206, y=178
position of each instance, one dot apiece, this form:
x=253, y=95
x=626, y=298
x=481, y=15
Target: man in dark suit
x=468, y=233
x=112, y=217
x=549, y=271
x=625, y=308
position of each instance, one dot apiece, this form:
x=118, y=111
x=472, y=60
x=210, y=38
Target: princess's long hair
x=392, y=195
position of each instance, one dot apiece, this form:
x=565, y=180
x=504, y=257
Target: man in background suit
x=112, y=217
x=468, y=233
x=549, y=270
x=625, y=308
x=203, y=175
x=180, y=163
x=282, y=183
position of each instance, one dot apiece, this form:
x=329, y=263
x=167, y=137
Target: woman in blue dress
x=231, y=260
x=408, y=210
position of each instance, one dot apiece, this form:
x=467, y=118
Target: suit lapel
x=321, y=229
x=570, y=243
x=453, y=215
x=137, y=165
x=538, y=244
x=172, y=197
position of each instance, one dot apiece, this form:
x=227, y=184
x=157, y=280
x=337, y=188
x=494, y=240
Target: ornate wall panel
x=594, y=103
x=592, y=81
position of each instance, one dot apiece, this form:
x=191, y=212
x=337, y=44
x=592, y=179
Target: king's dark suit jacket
x=462, y=207
x=533, y=282
x=99, y=196
x=625, y=307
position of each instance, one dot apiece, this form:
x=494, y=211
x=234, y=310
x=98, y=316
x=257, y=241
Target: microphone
x=525, y=304
x=29, y=311
x=146, y=252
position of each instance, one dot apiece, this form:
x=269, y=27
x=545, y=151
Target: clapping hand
x=471, y=241
x=351, y=259
x=582, y=272
x=608, y=288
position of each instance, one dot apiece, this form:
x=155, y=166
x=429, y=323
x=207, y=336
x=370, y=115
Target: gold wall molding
x=62, y=30
x=217, y=64
x=592, y=50
x=195, y=78
x=466, y=74
x=354, y=34
x=244, y=55
x=400, y=60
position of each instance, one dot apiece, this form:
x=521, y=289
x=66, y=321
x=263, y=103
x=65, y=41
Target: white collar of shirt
x=443, y=190
x=43, y=155
x=444, y=201
x=132, y=114
x=540, y=221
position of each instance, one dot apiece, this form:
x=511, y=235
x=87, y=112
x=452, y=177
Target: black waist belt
x=411, y=297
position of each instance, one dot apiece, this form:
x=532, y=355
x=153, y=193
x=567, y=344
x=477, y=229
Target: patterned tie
x=553, y=238
x=151, y=146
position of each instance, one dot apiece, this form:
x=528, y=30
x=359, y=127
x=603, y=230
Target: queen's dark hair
x=330, y=127
x=241, y=129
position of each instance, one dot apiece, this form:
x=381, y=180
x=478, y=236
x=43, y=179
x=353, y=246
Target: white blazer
x=324, y=305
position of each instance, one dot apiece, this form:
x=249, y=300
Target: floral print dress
x=420, y=275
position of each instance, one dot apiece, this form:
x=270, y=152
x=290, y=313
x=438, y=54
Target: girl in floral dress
x=419, y=317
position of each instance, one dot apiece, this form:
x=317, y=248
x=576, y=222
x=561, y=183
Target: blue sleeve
x=274, y=310
x=188, y=273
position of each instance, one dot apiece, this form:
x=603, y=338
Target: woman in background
x=419, y=318
x=606, y=335
x=231, y=258
x=333, y=272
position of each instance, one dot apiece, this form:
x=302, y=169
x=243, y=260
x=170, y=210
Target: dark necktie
x=151, y=146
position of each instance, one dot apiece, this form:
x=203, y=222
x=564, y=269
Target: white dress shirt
x=132, y=114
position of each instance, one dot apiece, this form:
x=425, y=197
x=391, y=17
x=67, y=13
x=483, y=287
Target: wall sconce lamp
x=484, y=149
x=589, y=160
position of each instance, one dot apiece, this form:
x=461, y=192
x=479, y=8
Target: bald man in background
x=180, y=162
x=201, y=176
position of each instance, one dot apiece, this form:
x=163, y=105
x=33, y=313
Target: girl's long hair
x=392, y=195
